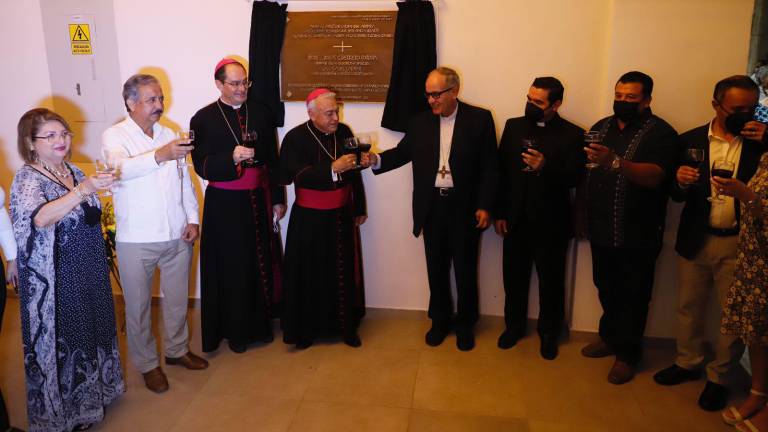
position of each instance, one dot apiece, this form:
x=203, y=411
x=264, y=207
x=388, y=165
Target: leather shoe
x=508, y=339
x=303, y=344
x=465, y=339
x=237, y=348
x=621, y=372
x=597, y=350
x=435, y=336
x=189, y=361
x=675, y=375
x=353, y=340
x=155, y=380
x=548, y=349
x=714, y=397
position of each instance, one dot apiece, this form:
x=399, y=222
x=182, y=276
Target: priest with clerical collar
x=240, y=250
x=324, y=294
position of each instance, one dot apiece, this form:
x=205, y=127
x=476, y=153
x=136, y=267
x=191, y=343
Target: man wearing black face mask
x=706, y=237
x=626, y=208
x=533, y=213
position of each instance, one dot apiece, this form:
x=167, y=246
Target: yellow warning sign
x=79, y=33
x=80, y=39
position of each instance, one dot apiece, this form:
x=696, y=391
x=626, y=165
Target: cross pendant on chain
x=443, y=172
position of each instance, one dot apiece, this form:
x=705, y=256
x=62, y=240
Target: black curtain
x=267, y=32
x=415, y=55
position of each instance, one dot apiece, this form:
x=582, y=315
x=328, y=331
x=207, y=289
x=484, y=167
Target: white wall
x=498, y=46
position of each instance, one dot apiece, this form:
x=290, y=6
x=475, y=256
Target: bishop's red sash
x=323, y=200
x=252, y=178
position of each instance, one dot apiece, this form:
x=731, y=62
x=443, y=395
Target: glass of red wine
x=352, y=146
x=249, y=140
x=185, y=135
x=694, y=157
x=528, y=144
x=364, y=144
x=724, y=169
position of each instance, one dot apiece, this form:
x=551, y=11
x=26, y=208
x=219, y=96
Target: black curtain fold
x=414, y=56
x=267, y=32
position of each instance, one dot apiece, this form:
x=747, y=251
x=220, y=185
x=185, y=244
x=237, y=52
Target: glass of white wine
x=106, y=166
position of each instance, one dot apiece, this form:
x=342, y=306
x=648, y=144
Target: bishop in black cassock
x=324, y=293
x=239, y=249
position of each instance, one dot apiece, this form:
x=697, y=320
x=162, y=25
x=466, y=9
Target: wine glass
x=721, y=168
x=352, y=145
x=185, y=135
x=249, y=140
x=592, y=137
x=694, y=156
x=105, y=166
x=528, y=144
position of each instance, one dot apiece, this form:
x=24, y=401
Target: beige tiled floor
x=393, y=383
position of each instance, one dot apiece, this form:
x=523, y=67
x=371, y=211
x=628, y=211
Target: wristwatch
x=616, y=163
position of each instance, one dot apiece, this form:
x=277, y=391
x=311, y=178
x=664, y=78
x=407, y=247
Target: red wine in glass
x=249, y=140
x=720, y=172
x=724, y=169
x=352, y=146
x=694, y=157
x=528, y=144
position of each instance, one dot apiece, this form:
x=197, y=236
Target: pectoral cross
x=442, y=171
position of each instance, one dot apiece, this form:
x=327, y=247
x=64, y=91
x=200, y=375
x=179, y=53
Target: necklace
x=221, y=110
x=63, y=174
x=320, y=143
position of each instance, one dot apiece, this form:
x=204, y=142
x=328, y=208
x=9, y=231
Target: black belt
x=443, y=191
x=722, y=232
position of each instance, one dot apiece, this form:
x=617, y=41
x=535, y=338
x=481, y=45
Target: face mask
x=533, y=113
x=625, y=111
x=735, y=122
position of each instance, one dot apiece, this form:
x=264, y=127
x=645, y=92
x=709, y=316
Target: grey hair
x=451, y=76
x=131, y=87
x=761, y=73
x=313, y=103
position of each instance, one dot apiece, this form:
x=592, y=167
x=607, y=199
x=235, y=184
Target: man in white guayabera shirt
x=157, y=223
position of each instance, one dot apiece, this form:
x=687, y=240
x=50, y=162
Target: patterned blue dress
x=71, y=359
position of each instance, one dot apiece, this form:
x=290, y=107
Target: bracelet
x=80, y=193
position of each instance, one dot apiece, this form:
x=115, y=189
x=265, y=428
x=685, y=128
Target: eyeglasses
x=437, y=94
x=51, y=137
x=236, y=84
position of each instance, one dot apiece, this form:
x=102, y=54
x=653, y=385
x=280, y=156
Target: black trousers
x=450, y=236
x=624, y=281
x=5, y=423
x=524, y=246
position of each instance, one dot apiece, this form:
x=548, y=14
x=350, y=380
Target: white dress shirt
x=152, y=204
x=7, y=241
x=446, y=137
x=723, y=213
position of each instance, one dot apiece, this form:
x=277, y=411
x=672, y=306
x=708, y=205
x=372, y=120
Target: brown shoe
x=597, y=350
x=155, y=380
x=189, y=361
x=621, y=372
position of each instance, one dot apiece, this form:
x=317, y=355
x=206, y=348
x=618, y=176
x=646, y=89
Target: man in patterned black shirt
x=626, y=208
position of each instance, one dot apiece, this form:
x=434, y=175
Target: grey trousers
x=137, y=263
x=704, y=279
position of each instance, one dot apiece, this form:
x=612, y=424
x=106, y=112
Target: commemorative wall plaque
x=348, y=52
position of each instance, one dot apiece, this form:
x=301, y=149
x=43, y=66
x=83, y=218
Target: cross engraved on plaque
x=342, y=46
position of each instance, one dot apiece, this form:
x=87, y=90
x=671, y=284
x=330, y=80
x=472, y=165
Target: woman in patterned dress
x=746, y=312
x=71, y=359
